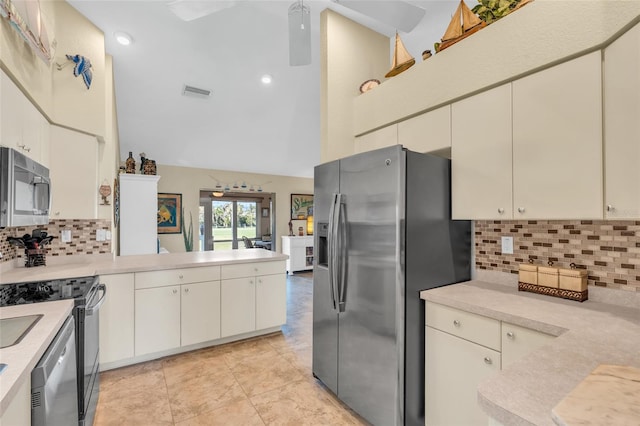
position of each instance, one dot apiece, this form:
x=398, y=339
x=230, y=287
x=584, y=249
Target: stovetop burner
x=45, y=291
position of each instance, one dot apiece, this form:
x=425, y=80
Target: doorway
x=225, y=220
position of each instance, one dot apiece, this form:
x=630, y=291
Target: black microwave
x=25, y=190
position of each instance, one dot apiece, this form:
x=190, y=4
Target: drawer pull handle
x=456, y=323
x=487, y=360
x=511, y=335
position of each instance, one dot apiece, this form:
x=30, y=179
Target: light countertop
x=588, y=334
x=23, y=357
x=80, y=266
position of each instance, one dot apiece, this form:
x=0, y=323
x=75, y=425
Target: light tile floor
x=261, y=381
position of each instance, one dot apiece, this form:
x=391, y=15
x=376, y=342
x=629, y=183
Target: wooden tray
x=580, y=296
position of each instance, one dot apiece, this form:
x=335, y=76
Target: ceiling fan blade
x=188, y=10
x=398, y=14
x=299, y=34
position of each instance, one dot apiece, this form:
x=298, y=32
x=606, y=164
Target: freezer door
x=370, y=336
x=325, y=317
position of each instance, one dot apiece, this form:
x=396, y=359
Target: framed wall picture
x=265, y=212
x=301, y=206
x=169, y=211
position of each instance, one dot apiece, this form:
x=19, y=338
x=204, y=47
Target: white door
x=157, y=319
x=200, y=312
x=271, y=301
x=237, y=306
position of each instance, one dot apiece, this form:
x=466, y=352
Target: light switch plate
x=507, y=245
x=107, y=235
x=65, y=235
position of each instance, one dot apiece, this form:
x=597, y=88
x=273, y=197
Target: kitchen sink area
x=13, y=330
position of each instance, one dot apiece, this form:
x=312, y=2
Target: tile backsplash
x=83, y=238
x=608, y=250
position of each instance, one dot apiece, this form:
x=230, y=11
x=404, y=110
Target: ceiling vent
x=196, y=92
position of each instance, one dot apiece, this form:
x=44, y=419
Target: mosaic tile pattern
x=608, y=250
x=83, y=238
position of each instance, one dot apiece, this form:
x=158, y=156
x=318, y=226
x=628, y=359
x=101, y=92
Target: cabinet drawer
x=301, y=242
x=475, y=328
x=519, y=341
x=252, y=269
x=177, y=276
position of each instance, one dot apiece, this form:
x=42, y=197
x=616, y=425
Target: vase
x=130, y=164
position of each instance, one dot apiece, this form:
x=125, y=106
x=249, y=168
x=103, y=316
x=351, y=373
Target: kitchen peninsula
x=155, y=305
x=581, y=336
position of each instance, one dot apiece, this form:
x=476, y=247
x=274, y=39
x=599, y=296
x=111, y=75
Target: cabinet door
x=271, y=301
x=117, y=318
x=453, y=369
x=427, y=132
x=621, y=129
x=157, y=319
x=237, y=306
x=381, y=138
x=74, y=174
x=200, y=312
x=481, y=178
x=519, y=341
x=12, y=104
x=557, y=142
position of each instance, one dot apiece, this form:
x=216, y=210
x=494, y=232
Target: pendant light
x=299, y=34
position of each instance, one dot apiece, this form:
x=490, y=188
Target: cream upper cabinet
x=427, y=132
x=557, y=142
x=380, y=138
x=74, y=174
x=622, y=127
x=22, y=126
x=481, y=163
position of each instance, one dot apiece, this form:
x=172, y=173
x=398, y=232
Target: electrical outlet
x=65, y=235
x=507, y=245
x=101, y=235
x=107, y=235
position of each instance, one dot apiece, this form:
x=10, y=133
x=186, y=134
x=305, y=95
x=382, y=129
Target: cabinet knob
x=250, y=281
x=511, y=335
x=456, y=323
x=186, y=290
x=57, y=213
x=488, y=360
x=501, y=210
x=181, y=276
x=520, y=209
x=255, y=269
x=175, y=291
x=610, y=208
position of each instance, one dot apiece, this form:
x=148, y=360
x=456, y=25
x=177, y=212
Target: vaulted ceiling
x=244, y=125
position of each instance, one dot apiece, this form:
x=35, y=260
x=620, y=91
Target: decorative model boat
x=463, y=23
x=402, y=60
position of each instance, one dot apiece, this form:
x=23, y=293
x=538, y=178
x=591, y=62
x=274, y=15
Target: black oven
x=88, y=295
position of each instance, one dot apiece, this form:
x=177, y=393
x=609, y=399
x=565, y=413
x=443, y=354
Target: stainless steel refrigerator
x=383, y=234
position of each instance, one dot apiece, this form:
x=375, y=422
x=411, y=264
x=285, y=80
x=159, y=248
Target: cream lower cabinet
x=519, y=341
x=253, y=297
x=177, y=307
x=461, y=350
x=117, y=318
x=457, y=359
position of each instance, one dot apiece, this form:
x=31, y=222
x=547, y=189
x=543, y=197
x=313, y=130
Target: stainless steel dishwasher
x=54, y=389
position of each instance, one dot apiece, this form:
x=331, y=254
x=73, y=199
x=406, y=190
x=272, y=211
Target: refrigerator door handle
x=332, y=248
x=342, y=252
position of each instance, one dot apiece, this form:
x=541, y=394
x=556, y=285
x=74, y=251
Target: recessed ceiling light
x=266, y=79
x=123, y=38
